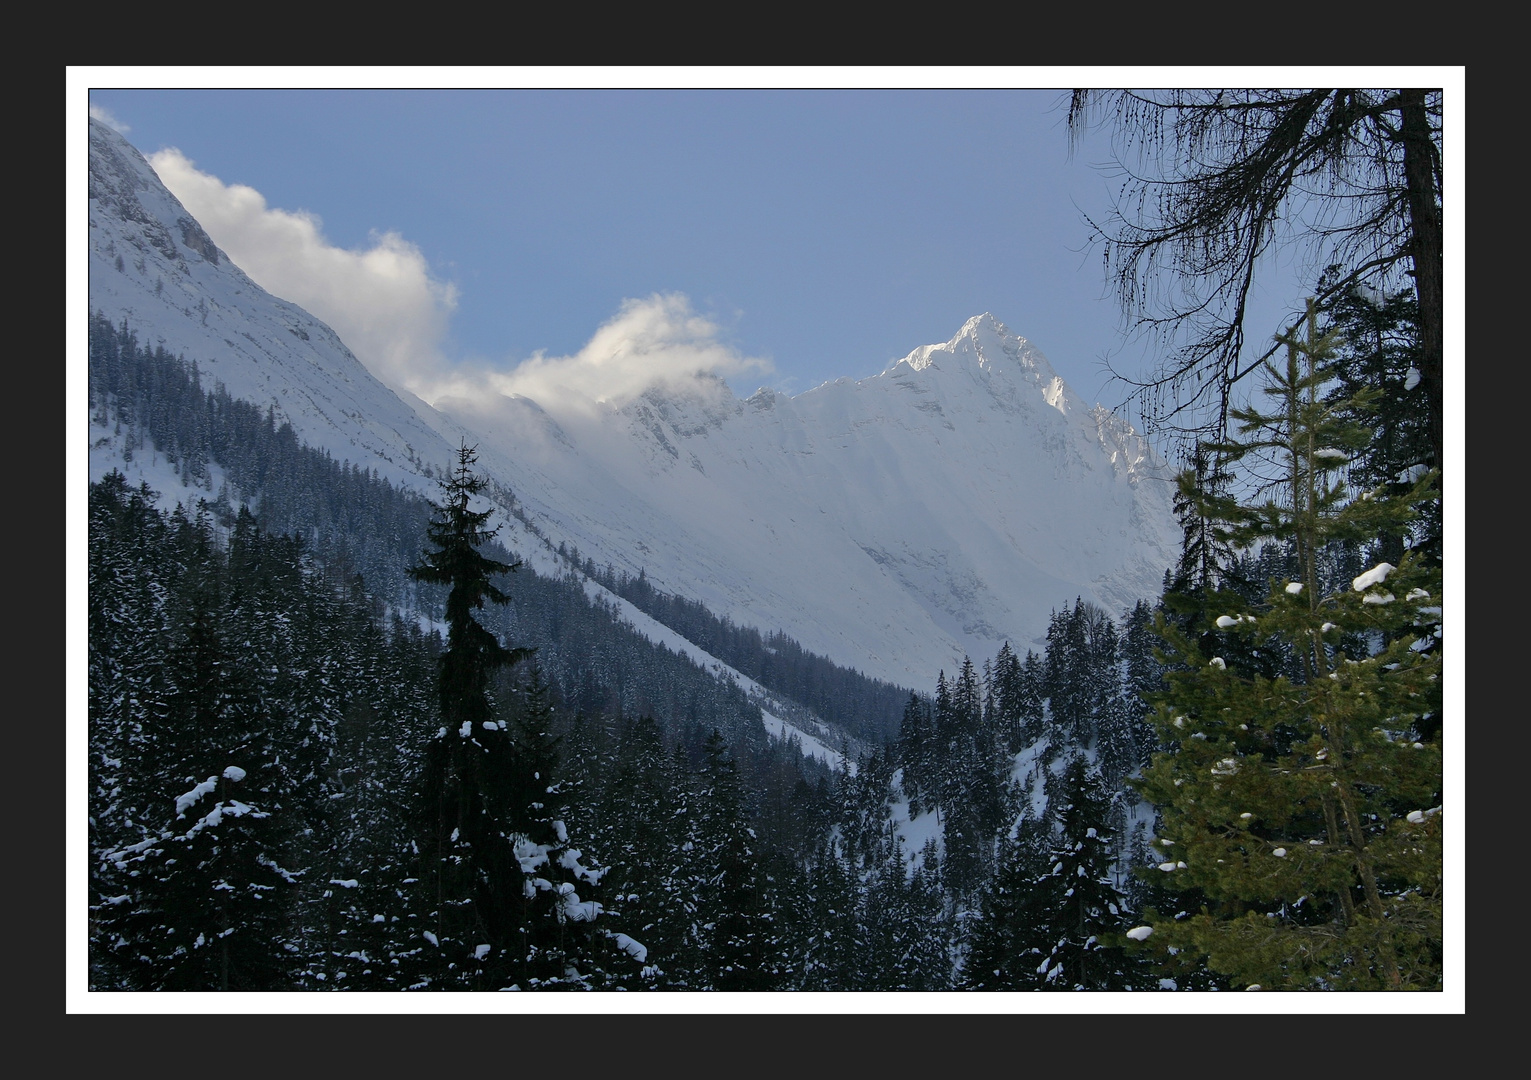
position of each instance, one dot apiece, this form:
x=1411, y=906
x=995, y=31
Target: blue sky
x=826, y=231
x=818, y=233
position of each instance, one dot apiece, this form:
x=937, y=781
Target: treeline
x=355, y=522
x=867, y=708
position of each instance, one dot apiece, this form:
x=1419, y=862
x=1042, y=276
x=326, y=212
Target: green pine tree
x=1306, y=807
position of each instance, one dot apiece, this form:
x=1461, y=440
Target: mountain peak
x=985, y=322
x=895, y=523
x=125, y=187
x=986, y=344
x=892, y=523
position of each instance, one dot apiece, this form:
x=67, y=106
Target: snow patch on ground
x=779, y=729
x=660, y=634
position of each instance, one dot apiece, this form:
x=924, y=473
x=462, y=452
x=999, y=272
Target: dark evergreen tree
x=1002, y=953
x=1379, y=348
x=1086, y=953
x=969, y=791
x=737, y=934
x=203, y=897
x=904, y=923
x=1054, y=922
x=131, y=630
x=1115, y=752
x=827, y=930
x=1015, y=689
x=1033, y=692
x=1144, y=678
x=1067, y=679
x=467, y=800
x=569, y=938
x=500, y=880
x=473, y=652
x=633, y=820
x=205, y=904
x=916, y=746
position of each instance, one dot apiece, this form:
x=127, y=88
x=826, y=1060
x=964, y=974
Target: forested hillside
x=261, y=739
x=346, y=737
x=358, y=524
x=219, y=632
x=273, y=749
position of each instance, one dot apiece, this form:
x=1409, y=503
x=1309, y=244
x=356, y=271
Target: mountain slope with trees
x=336, y=743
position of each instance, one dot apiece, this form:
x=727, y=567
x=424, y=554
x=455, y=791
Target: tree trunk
x=1426, y=246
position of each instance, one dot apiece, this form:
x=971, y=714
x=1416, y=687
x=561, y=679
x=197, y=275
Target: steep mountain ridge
x=152, y=265
x=893, y=524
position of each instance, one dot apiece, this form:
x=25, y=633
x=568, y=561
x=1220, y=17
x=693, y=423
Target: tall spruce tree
x=1143, y=678
x=499, y=876
x=970, y=787
x=457, y=532
x=1002, y=953
x=916, y=741
x=737, y=932
x=1306, y=808
x=1087, y=911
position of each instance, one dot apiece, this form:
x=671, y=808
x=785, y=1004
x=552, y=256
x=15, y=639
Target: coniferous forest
x=294, y=785
x=341, y=740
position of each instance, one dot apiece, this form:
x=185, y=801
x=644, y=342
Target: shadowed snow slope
x=894, y=523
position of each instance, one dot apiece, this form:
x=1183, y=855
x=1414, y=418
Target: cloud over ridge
x=387, y=307
x=382, y=301
x=655, y=340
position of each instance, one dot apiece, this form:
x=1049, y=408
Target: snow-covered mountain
x=154, y=266
x=893, y=524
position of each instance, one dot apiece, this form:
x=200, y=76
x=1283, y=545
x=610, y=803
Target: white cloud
x=382, y=301
x=98, y=113
x=659, y=339
x=393, y=315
